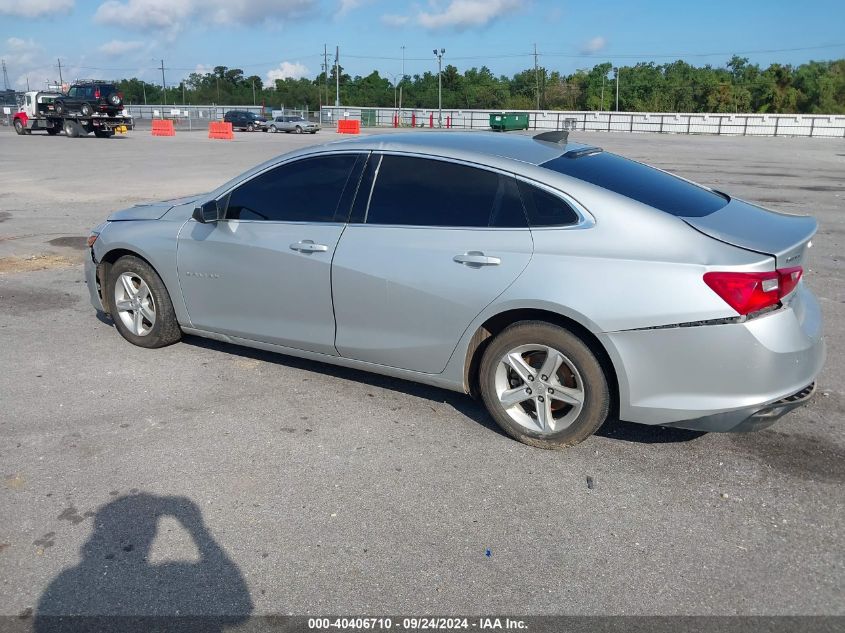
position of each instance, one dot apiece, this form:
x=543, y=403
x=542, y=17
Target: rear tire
x=274, y=129
x=250, y=128
x=140, y=304
x=59, y=108
x=298, y=130
x=86, y=109
x=550, y=410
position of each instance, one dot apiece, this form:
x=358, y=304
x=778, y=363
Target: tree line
x=739, y=86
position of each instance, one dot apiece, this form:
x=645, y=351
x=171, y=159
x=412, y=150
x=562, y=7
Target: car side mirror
x=207, y=212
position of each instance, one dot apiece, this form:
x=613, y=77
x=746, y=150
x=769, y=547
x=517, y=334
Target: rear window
x=640, y=182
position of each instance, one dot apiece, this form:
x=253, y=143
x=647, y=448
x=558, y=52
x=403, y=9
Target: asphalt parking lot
x=285, y=486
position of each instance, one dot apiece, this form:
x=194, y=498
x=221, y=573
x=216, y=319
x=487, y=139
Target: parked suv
x=243, y=120
x=90, y=97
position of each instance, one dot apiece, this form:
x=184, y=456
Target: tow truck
x=39, y=113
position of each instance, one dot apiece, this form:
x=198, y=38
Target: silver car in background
x=289, y=124
x=560, y=283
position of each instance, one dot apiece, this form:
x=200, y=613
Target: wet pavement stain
x=23, y=301
x=71, y=514
x=795, y=454
x=75, y=242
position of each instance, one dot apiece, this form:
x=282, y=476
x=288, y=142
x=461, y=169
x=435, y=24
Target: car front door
x=263, y=272
x=437, y=243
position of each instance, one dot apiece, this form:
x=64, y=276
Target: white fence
x=809, y=125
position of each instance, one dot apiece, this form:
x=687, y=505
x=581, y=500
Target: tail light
x=92, y=238
x=97, y=93
x=751, y=292
x=120, y=95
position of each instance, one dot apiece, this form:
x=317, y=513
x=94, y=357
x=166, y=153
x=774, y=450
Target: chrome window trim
x=281, y=163
x=585, y=218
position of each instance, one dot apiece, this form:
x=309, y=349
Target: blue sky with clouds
x=280, y=38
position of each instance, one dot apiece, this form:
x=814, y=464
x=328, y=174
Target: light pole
x=440, y=85
x=616, y=70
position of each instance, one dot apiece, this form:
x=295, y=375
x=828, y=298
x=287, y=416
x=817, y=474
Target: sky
x=112, y=39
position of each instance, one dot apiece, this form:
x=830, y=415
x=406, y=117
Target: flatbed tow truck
x=38, y=113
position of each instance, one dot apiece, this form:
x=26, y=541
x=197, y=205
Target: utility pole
x=6, y=77
x=337, y=76
x=616, y=70
x=27, y=83
x=253, y=92
x=603, y=79
x=401, y=81
x=326, y=71
x=537, y=76
x=440, y=85
x=144, y=89
x=163, y=84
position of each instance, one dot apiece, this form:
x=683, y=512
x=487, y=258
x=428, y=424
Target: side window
x=307, y=190
x=428, y=192
x=72, y=92
x=544, y=208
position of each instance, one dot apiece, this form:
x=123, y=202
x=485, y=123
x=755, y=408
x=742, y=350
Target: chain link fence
x=197, y=117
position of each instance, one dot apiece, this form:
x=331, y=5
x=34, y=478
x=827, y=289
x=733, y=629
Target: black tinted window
x=304, y=191
x=424, y=192
x=544, y=208
x=641, y=183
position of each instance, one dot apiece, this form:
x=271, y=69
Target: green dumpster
x=507, y=121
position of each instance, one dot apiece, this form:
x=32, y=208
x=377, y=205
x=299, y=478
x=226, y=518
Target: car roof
x=481, y=145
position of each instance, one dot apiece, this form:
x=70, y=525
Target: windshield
x=639, y=182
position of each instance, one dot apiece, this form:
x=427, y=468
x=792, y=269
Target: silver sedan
x=560, y=283
x=295, y=124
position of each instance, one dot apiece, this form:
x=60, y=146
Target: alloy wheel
x=539, y=388
x=134, y=304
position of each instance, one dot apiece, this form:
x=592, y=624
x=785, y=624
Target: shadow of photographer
x=115, y=587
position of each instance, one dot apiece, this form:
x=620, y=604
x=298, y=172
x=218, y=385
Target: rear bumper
x=750, y=419
x=726, y=377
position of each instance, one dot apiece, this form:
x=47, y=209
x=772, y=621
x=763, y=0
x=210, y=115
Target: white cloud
x=345, y=6
x=394, y=20
x=286, y=70
x=18, y=52
x=464, y=14
x=34, y=8
x=173, y=15
x=594, y=45
x=120, y=47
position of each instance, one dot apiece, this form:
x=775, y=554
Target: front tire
x=543, y=385
x=298, y=130
x=86, y=109
x=20, y=130
x=250, y=128
x=140, y=304
x=274, y=129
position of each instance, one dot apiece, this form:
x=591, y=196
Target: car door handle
x=476, y=259
x=308, y=246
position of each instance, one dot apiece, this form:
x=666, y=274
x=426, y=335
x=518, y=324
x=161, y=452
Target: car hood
x=151, y=211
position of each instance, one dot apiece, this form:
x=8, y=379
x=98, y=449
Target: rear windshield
x=640, y=182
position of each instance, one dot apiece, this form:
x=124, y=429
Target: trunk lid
x=739, y=223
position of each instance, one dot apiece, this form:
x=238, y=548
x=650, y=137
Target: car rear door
x=264, y=271
x=430, y=244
